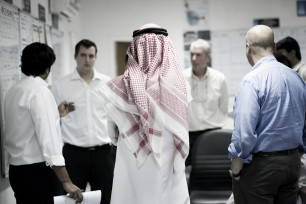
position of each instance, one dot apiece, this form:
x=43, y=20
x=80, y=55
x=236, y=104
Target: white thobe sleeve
x=302, y=179
x=189, y=99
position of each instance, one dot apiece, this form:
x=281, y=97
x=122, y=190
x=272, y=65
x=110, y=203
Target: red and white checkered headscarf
x=152, y=95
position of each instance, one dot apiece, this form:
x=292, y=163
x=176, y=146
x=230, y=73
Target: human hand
x=73, y=191
x=64, y=108
x=303, y=189
x=237, y=178
x=116, y=134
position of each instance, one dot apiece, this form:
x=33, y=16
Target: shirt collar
x=37, y=79
x=262, y=60
x=298, y=66
x=76, y=76
x=207, y=73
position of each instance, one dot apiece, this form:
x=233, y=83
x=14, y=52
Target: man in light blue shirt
x=269, y=129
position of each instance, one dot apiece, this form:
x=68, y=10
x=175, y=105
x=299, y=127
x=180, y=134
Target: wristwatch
x=234, y=175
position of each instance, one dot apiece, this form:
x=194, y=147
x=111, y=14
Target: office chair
x=210, y=182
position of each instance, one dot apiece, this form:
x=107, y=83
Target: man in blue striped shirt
x=269, y=130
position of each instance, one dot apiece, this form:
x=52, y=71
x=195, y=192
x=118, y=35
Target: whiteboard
x=9, y=60
x=229, y=57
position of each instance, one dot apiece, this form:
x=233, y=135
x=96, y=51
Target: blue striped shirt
x=269, y=111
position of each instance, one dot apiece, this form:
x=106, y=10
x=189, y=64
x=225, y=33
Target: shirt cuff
x=113, y=140
x=56, y=161
x=232, y=153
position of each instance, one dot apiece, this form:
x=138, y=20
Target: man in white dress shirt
x=209, y=106
x=32, y=135
x=87, y=148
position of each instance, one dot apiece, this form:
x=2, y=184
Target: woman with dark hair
x=32, y=135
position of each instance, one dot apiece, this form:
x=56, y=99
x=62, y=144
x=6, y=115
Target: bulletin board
x=17, y=30
x=9, y=61
x=229, y=57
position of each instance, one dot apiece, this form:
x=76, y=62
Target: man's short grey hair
x=202, y=44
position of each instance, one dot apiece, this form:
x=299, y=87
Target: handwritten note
x=26, y=31
x=9, y=45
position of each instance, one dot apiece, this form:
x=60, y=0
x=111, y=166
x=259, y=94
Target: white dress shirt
x=87, y=125
x=32, y=125
x=209, y=106
x=300, y=68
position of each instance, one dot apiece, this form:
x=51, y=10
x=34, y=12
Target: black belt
x=277, y=153
x=106, y=146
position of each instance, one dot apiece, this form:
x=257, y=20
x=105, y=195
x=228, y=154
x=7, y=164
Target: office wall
x=239, y=14
x=116, y=19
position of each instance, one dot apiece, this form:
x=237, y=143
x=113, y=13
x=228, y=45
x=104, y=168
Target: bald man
x=269, y=114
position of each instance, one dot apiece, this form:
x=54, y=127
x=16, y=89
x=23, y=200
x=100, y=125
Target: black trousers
x=93, y=166
x=269, y=180
x=32, y=184
x=193, y=136
x=303, y=197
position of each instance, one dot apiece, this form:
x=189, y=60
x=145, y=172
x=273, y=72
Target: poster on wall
x=41, y=13
x=271, y=22
x=26, y=5
x=229, y=51
x=196, y=14
x=26, y=31
x=38, y=31
x=196, y=25
x=50, y=44
x=301, y=7
x=57, y=38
